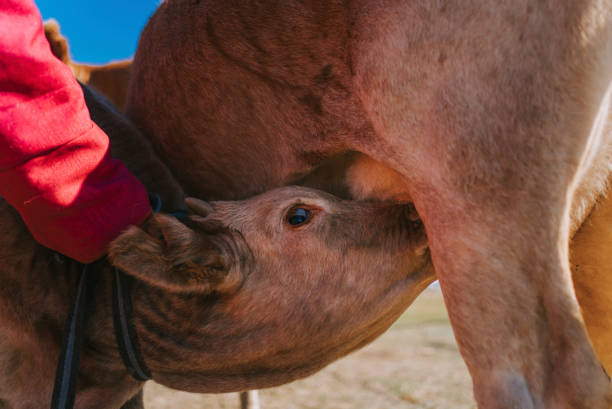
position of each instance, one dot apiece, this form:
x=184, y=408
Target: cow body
x=494, y=116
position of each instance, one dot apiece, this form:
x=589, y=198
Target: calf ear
x=167, y=253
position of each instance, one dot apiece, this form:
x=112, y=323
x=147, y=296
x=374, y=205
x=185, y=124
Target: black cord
x=64, y=388
x=125, y=333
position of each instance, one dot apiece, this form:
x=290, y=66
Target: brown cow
x=239, y=294
x=590, y=256
x=495, y=116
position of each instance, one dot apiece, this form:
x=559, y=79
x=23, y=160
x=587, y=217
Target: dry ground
x=415, y=364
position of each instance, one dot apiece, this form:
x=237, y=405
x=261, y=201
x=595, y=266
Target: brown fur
x=230, y=298
x=495, y=116
x=589, y=249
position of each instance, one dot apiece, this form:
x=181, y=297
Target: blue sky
x=99, y=31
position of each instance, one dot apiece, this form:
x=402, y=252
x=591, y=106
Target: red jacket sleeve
x=55, y=163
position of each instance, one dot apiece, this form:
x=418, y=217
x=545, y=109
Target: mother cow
x=493, y=113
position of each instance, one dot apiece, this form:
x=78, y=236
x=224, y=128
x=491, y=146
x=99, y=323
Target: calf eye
x=297, y=216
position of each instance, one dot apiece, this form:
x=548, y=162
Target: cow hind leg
x=492, y=137
x=513, y=310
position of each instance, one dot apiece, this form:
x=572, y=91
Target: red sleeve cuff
x=76, y=199
x=55, y=164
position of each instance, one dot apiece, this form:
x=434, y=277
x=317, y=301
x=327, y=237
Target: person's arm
x=55, y=163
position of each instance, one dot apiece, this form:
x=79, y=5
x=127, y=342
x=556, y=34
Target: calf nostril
x=411, y=213
x=410, y=218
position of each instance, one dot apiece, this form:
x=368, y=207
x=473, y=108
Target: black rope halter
x=125, y=333
x=64, y=388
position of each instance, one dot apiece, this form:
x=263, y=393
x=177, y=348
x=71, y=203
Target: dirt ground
x=415, y=364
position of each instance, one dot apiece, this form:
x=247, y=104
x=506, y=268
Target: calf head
x=269, y=289
x=168, y=254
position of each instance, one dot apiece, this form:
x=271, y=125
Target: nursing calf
x=238, y=294
x=493, y=115
x=272, y=288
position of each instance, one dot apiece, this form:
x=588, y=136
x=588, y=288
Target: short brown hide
x=494, y=115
